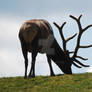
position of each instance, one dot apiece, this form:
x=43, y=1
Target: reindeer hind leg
x=25, y=53
x=32, y=70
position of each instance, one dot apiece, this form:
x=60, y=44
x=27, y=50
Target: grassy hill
x=61, y=83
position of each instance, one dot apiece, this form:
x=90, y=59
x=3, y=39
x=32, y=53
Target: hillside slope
x=61, y=83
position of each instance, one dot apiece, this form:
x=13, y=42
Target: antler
x=60, y=28
x=78, y=46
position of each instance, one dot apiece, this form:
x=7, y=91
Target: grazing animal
x=36, y=36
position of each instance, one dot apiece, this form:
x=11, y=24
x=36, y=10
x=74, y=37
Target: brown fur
x=32, y=28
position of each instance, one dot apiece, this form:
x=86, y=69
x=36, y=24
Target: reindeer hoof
x=25, y=77
x=52, y=74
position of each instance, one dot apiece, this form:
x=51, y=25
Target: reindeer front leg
x=49, y=62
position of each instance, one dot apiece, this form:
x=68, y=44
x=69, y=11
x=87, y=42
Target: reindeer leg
x=24, y=51
x=49, y=62
x=32, y=71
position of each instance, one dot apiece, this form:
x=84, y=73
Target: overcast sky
x=14, y=12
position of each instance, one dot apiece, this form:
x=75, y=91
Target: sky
x=14, y=12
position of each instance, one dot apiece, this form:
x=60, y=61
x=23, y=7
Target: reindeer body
x=35, y=36
x=35, y=30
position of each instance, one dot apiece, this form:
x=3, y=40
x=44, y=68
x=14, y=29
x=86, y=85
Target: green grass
x=61, y=83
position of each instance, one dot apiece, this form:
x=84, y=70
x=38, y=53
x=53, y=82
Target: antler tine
x=61, y=33
x=81, y=58
x=63, y=25
x=80, y=17
x=86, y=46
x=81, y=63
x=71, y=37
x=78, y=21
x=77, y=65
x=60, y=28
x=56, y=25
x=73, y=17
x=87, y=27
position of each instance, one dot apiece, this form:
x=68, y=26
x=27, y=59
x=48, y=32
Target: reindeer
x=36, y=36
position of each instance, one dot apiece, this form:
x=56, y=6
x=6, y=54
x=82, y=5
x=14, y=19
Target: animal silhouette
x=36, y=36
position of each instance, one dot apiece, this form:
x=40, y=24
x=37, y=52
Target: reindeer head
x=74, y=57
